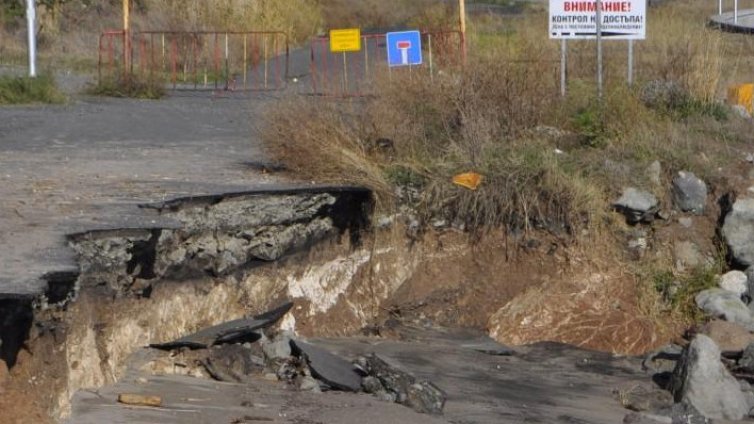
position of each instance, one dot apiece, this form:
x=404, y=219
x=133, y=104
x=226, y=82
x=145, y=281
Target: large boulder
x=725, y=304
x=689, y=193
x=701, y=380
x=738, y=231
x=637, y=205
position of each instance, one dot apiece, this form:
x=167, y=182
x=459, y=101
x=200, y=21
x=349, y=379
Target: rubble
x=336, y=372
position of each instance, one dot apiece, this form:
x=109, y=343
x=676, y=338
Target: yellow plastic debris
x=470, y=180
x=743, y=95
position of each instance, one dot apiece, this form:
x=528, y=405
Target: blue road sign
x=404, y=48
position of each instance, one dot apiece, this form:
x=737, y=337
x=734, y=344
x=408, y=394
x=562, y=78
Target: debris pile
x=244, y=349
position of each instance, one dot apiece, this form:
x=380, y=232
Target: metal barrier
x=353, y=74
x=110, y=57
x=202, y=60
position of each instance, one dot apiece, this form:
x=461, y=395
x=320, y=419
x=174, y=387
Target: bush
x=134, y=87
x=19, y=90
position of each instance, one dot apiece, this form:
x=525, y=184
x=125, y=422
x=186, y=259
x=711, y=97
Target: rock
x=725, y=304
x=308, y=384
x=640, y=398
x=654, y=173
x=334, y=371
x=227, y=332
x=388, y=382
x=738, y=231
x=426, y=398
x=750, y=281
x=746, y=363
x=662, y=360
x=279, y=347
x=686, y=255
x=683, y=413
x=734, y=281
x=730, y=337
x=701, y=380
x=637, y=206
x=644, y=418
x=232, y=363
x=689, y=193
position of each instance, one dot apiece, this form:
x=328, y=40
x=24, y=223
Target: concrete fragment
x=701, y=380
x=333, y=370
x=228, y=331
x=689, y=193
x=725, y=304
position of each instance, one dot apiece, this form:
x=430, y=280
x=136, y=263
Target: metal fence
x=354, y=74
x=199, y=60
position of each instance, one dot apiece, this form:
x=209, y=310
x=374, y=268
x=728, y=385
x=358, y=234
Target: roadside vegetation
x=23, y=90
x=547, y=163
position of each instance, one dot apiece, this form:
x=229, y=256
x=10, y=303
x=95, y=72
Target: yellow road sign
x=345, y=40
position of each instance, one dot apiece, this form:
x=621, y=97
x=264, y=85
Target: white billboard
x=576, y=19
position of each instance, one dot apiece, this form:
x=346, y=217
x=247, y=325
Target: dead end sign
x=345, y=40
x=404, y=48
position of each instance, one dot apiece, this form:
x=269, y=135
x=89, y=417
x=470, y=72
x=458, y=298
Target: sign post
x=344, y=41
x=31, y=18
x=563, y=66
x=598, y=20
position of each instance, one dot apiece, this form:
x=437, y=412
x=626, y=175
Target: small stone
x=636, y=205
x=309, y=384
x=734, y=281
x=689, y=193
x=730, y=337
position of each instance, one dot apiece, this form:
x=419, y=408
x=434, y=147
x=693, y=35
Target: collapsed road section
x=136, y=285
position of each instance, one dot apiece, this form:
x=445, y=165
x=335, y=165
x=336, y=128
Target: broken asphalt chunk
x=227, y=332
x=328, y=368
x=488, y=346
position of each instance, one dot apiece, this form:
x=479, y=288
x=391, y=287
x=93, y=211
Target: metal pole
x=630, y=63
x=31, y=17
x=735, y=11
x=126, y=38
x=431, y=63
x=563, y=65
x=599, y=47
x=719, y=7
x=345, y=74
x=462, y=17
